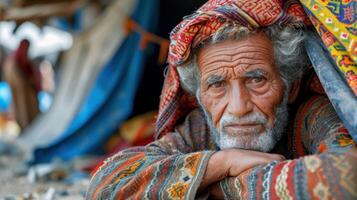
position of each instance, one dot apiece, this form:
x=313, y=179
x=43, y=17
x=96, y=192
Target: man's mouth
x=238, y=129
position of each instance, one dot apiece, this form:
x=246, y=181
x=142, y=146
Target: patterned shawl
x=334, y=21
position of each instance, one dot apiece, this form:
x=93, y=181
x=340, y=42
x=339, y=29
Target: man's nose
x=240, y=102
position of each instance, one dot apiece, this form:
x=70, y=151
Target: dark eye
x=257, y=81
x=217, y=84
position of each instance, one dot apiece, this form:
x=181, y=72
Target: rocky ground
x=57, y=180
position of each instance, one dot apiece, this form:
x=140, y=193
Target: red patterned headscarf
x=194, y=29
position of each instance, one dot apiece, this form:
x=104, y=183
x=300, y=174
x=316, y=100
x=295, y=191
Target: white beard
x=264, y=141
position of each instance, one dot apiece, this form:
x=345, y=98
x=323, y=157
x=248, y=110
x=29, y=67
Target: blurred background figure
x=25, y=83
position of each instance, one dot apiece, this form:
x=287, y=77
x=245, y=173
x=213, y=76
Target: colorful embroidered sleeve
x=317, y=129
x=168, y=168
x=330, y=175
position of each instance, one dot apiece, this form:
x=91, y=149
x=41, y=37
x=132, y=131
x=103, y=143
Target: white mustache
x=251, y=118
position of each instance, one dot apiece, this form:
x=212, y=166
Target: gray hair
x=290, y=55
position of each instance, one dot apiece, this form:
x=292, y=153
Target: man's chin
x=263, y=141
x=242, y=134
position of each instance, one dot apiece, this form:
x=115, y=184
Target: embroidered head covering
x=202, y=24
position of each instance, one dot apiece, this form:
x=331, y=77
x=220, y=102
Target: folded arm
x=178, y=166
x=162, y=170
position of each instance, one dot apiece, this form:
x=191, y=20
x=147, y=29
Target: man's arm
x=162, y=169
x=170, y=168
x=330, y=175
x=323, y=176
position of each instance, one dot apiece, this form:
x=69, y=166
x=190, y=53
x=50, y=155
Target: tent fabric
x=340, y=95
x=81, y=64
x=110, y=100
x=335, y=22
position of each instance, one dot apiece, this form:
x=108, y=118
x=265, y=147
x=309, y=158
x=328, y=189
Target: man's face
x=242, y=93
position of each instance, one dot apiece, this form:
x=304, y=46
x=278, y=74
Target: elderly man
x=223, y=129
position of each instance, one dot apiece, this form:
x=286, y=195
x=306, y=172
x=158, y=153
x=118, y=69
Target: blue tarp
x=110, y=101
x=5, y=97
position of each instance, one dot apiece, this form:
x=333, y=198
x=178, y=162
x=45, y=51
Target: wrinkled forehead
x=256, y=38
x=256, y=49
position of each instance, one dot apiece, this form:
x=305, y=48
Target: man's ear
x=294, y=91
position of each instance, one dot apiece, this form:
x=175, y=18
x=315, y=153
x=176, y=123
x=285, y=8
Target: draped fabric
x=335, y=22
x=79, y=68
x=339, y=93
x=110, y=99
x=215, y=14
x=173, y=166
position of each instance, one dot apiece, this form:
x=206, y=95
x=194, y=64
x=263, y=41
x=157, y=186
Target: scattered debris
x=58, y=180
x=50, y=194
x=48, y=172
x=8, y=149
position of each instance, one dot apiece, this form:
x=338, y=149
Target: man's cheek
x=268, y=110
x=214, y=106
x=269, y=102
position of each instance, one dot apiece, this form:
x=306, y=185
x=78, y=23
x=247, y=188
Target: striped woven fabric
x=173, y=166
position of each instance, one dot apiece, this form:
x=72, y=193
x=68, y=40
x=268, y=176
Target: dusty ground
x=15, y=183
